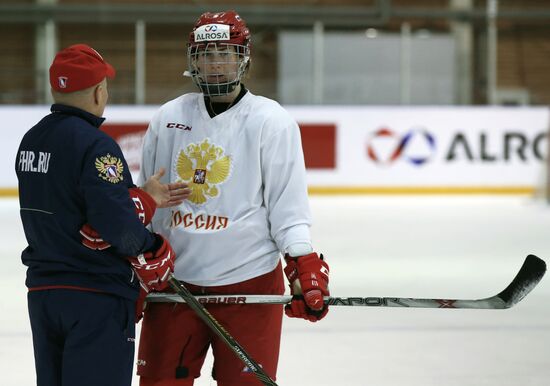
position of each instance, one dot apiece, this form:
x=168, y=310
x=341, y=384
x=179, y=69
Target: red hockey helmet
x=219, y=52
x=208, y=28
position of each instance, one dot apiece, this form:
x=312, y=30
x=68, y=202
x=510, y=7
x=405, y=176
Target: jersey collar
x=216, y=108
x=70, y=110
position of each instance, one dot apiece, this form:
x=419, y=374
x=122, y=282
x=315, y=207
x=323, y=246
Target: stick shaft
x=355, y=301
x=528, y=276
x=184, y=294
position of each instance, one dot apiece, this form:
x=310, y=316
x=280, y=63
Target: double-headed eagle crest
x=203, y=166
x=110, y=168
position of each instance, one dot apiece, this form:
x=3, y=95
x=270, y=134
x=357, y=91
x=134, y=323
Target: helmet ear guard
x=214, y=69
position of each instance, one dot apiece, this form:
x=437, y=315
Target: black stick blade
x=529, y=275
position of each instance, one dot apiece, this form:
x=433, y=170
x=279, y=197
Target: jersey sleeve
x=285, y=185
x=149, y=151
x=105, y=180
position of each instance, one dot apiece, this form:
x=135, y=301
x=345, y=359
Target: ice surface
x=445, y=247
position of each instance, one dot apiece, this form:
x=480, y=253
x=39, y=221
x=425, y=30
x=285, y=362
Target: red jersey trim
x=71, y=287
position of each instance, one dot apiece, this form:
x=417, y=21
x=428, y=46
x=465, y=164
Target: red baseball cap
x=78, y=67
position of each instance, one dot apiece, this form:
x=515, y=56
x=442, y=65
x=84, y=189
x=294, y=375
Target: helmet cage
x=216, y=67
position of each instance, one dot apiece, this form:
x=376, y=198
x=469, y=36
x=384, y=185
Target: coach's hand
x=154, y=268
x=166, y=195
x=308, y=279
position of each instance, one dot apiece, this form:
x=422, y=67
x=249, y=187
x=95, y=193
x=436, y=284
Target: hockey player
x=242, y=157
x=81, y=298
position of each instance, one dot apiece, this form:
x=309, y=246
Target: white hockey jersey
x=249, y=198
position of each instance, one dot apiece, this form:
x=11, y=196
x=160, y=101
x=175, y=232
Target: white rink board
x=488, y=146
x=452, y=146
x=16, y=120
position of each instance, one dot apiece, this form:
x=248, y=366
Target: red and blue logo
x=385, y=146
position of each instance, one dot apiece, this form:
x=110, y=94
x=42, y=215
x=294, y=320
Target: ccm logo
x=180, y=126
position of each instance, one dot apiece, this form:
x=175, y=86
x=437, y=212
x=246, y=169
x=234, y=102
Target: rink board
x=368, y=150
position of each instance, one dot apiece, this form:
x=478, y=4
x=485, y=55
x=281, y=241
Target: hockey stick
x=211, y=322
x=530, y=273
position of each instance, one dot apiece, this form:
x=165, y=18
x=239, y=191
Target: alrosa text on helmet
x=212, y=32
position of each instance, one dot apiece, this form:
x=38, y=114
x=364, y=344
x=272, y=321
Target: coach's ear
x=100, y=95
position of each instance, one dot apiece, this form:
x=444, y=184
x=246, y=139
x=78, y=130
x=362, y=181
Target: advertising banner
x=432, y=149
x=369, y=149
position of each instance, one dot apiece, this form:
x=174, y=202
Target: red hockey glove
x=145, y=209
x=92, y=239
x=308, y=279
x=153, y=268
x=145, y=204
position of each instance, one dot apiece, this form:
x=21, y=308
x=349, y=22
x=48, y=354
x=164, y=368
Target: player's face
x=217, y=63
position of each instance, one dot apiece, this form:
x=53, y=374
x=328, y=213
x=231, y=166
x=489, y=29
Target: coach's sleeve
x=105, y=180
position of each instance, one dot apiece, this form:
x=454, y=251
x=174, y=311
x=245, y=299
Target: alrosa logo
x=385, y=146
x=418, y=146
x=212, y=32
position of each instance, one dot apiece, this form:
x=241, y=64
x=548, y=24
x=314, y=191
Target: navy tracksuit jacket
x=71, y=173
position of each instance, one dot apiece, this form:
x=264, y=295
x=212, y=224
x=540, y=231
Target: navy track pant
x=82, y=338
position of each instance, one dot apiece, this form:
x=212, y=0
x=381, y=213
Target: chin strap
x=215, y=89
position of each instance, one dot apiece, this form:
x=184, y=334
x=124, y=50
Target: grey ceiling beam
x=181, y=14
x=269, y=15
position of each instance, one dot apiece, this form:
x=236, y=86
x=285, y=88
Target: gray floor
x=445, y=247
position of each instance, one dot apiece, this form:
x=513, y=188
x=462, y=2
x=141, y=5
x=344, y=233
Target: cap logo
x=62, y=81
x=212, y=32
